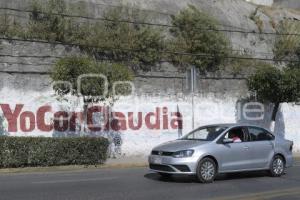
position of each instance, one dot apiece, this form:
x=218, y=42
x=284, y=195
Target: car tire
x=206, y=170
x=277, y=167
x=165, y=175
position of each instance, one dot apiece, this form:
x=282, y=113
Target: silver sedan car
x=223, y=148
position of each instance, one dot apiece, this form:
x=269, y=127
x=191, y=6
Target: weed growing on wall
x=287, y=45
x=133, y=43
x=194, y=34
x=137, y=44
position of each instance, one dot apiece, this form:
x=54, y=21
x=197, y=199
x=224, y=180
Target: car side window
x=259, y=134
x=237, y=134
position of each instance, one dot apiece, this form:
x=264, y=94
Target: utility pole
x=192, y=86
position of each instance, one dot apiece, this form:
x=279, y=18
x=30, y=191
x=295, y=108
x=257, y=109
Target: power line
x=236, y=50
x=29, y=64
x=154, y=24
x=137, y=76
x=120, y=6
x=233, y=50
x=24, y=72
x=209, y=56
x=29, y=56
x=183, y=77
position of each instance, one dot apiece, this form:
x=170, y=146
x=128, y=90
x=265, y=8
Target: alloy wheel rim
x=207, y=170
x=278, y=166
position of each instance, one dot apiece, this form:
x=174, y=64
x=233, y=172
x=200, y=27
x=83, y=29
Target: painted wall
x=129, y=141
x=295, y=4
x=24, y=79
x=262, y=2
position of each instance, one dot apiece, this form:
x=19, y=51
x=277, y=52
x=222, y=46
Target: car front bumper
x=171, y=165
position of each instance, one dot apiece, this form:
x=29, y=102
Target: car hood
x=178, y=145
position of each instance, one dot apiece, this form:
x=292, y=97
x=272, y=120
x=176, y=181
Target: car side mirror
x=228, y=141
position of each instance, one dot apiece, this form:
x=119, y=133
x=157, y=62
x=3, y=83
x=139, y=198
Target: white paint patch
x=262, y=2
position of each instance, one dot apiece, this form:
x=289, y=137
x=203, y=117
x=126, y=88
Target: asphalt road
x=140, y=184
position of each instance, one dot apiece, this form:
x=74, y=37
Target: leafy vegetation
x=134, y=43
x=193, y=34
x=276, y=86
x=286, y=44
x=92, y=88
x=110, y=39
x=32, y=152
x=47, y=21
x=10, y=27
x=124, y=36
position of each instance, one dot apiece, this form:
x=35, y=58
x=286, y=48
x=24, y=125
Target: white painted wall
x=262, y=2
x=208, y=110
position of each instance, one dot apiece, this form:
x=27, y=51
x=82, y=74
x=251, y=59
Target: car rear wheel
x=277, y=166
x=206, y=170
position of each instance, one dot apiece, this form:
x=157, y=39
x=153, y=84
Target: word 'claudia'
x=97, y=118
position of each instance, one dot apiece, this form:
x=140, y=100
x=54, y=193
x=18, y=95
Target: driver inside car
x=235, y=138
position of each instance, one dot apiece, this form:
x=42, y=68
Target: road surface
x=140, y=184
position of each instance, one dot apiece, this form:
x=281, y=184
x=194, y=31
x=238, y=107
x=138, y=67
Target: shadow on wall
x=246, y=117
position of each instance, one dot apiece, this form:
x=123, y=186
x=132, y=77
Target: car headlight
x=183, y=154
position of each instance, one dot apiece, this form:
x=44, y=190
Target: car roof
x=229, y=125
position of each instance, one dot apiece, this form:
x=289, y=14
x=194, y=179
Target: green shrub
x=71, y=67
x=10, y=27
x=193, y=33
x=29, y=151
x=47, y=21
x=286, y=44
x=133, y=43
x=276, y=86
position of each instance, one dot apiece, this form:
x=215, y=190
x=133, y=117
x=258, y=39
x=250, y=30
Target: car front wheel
x=277, y=166
x=206, y=170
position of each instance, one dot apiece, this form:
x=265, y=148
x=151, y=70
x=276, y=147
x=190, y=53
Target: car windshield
x=208, y=133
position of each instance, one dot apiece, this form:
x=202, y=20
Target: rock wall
x=27, y=65
x=232, y=14
x=25, y=68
